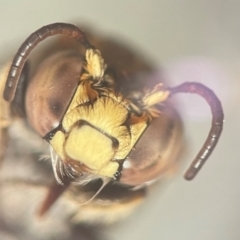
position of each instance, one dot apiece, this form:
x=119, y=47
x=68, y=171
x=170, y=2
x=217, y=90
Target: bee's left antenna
x=217, y=123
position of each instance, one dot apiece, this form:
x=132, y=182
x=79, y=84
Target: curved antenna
x=30, y=43
x=217, y=123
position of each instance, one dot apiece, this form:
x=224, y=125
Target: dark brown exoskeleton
x=98, y=122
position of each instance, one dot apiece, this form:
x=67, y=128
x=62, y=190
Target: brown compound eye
x=155, y=151
x=51, y=89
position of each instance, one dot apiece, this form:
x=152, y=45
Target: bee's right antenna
x=217, y=123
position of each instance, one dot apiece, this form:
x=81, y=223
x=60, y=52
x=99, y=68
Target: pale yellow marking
x=109, y=170
x=107, y=115
x=79, y=97
x=93, y=149
x=57, y=143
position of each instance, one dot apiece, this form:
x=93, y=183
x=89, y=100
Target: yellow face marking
x=80, y=97
x=92, y=148
x=107, y=115
x=109, y=170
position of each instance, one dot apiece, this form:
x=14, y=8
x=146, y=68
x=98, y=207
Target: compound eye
x=51, y=90
x=155, y=151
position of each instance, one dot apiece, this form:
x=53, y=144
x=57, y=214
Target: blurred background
x=190, y=41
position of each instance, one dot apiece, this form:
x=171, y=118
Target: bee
x=109, y=133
